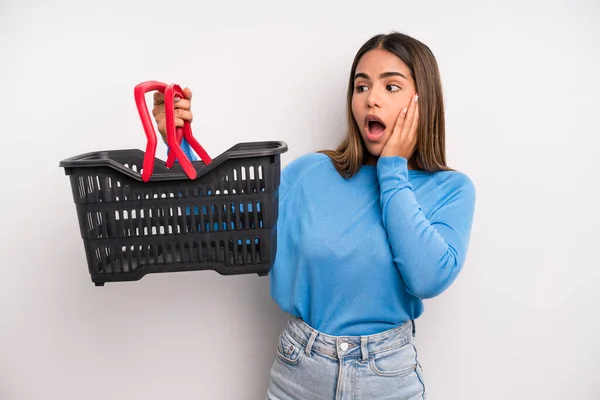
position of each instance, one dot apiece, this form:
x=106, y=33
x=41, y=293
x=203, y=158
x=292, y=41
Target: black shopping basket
x=219, y=215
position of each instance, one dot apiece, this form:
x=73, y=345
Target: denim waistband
x=348, y=346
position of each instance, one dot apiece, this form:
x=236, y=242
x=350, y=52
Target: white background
x=521, y=81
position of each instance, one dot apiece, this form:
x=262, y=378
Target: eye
x=393, y=88
x=361, y=88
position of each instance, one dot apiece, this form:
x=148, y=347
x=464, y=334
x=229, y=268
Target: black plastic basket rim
x=241, y=150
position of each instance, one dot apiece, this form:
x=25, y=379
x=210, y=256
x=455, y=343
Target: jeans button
x=344, y=346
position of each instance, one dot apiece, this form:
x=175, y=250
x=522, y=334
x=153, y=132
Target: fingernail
x=405, y=110
x=416, y=97
x=176, y=99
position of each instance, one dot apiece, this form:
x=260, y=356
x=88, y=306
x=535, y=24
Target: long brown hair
x=430, y=150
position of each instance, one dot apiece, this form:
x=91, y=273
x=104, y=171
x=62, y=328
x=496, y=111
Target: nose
x=373, y=99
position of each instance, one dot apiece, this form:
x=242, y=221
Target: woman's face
x=383, y=86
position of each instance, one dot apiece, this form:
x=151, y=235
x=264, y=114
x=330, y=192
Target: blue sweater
x=357, y=256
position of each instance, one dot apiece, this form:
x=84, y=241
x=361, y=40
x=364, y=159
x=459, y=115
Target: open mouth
x=375, y=127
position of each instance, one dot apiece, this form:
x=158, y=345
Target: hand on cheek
x=403, y=139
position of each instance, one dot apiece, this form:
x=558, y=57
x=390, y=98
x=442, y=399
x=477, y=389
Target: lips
x=374, y=127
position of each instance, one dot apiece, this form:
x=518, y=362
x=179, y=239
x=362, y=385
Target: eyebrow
x=382, y=76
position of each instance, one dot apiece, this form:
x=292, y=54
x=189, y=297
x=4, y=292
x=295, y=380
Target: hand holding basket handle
x=174, y=135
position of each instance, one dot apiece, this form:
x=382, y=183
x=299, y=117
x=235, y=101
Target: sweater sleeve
x=429, y=253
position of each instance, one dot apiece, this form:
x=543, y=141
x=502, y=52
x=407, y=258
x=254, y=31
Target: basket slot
x=184, y=227
x=253, y=252
x=192, y=218
x=249, y=178
x=175, y=252
x=100, y=267
x=164, y=212
x=239, y=177
x=230, y=224
x=223, y=217
x=211, y=219
x=187, y=255
x=237, y=211
x=203, y=256
x=230, y=181
x=81, y=187
x=140, y=219
x=145, y=254
x=128, y=256
x=202, y=221
x=105, y=218
x=217, y=256
x=261, y=179
x=259, y=215
x=220, y=256
x=247, y=216
x=256, y=221
x=243, y=253
x=148, y=223
x=157, y=253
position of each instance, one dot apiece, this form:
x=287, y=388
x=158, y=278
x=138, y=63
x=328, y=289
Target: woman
x=366, y=232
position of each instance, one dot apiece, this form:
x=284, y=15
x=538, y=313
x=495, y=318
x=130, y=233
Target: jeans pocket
x=397, y=362
x=288, y=350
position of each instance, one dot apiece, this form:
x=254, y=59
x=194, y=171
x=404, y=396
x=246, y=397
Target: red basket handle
x=174, y=135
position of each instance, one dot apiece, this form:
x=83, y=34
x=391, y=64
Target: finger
x=162, y=127
x=184, y=115
x=159, y=98
x=158, y=110
x=400, y=121
x=416, y=120
x=414, y=129
x=187, y=93
x=179, y=122
x=183, y=104
x=410, y=115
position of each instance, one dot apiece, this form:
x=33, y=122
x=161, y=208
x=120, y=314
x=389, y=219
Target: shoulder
x=454, y=183
x=306, y=161
x=302, y=166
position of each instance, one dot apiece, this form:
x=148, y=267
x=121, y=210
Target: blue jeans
x=313, y=366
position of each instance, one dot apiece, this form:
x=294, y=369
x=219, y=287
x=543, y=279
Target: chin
x=373, y=150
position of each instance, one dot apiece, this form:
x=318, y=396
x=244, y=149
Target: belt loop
x=310, y=343
x=363, y=348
